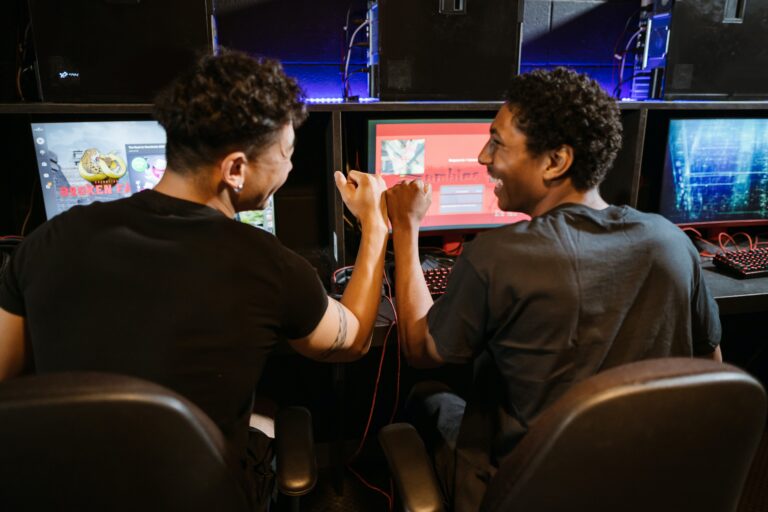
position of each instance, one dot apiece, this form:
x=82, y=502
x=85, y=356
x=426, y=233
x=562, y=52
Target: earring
x=238, y=188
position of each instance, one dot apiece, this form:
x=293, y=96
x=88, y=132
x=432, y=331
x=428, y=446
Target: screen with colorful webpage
x=85, y=161
x=716, y=171
x=443, y=153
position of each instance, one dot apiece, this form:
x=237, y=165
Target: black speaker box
x=115, y=51
x=444, y=49
x=12, y=27
x=718, y=49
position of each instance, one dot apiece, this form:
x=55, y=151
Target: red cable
x=397, y=378
x=694, y=231
x=700, y=238
x=708, y=254
x=722, y=235
x=749, y=238
x=375, y=394
x=365, y=434
x=372, y=487
x=373, y=400
x=398, y=356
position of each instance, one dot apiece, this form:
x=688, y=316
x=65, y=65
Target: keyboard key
x=437, y=279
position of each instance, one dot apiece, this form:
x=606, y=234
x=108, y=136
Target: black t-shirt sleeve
x=304, y=299
x=11, y=297
x=457, y=320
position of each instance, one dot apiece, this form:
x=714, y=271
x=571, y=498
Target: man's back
x=572, y=292
x=168, y=290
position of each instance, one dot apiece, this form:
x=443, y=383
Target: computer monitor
x=442, y=152
x=262, y=219
x=80, y=162
x=716, y=172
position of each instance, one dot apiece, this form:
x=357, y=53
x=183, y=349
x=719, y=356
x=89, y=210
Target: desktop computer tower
x=115, y=51
x=717, y=49
x=13, y=24
x=443, y=49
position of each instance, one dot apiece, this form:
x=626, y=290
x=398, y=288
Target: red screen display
x=442, y=153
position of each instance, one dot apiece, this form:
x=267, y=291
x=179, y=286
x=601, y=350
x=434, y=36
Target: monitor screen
x=716, y=171
x=85, y=161
x=263, y=219
x=442, y=152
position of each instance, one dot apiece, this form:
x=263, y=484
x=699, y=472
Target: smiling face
x=518, y=174
x=268, y=171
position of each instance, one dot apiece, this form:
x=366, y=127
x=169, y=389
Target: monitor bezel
x=462, y=229
x=654, y=161
x=89, y=117
x=66, y=118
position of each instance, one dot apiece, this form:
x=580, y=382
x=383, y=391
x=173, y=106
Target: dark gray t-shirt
x=543, y=304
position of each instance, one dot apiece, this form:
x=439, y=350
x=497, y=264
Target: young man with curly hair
x=539, y=305
x=166, y=286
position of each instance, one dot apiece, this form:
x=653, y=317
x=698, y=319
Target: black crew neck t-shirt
x=167, y=290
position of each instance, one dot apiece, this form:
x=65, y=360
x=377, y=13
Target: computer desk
x=734, y=295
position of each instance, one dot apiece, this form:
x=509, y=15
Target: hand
x=363, y=194
x=408, y=202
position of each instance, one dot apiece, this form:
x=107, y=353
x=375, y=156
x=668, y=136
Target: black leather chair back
x=102, y=442
x=659, y=435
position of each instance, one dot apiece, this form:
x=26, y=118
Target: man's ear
x=559, y=162
x=232, y=169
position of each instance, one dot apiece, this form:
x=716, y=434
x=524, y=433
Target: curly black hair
x=226, y=103
x=561, y=106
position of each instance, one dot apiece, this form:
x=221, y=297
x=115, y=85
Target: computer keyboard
x=744, y=263
x=437, y=279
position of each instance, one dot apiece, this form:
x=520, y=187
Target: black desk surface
x=735, y=295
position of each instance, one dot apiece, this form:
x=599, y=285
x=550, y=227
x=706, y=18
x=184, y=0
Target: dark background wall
x=308, y=36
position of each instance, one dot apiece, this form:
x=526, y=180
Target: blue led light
x=339, y=100
x=325, y=100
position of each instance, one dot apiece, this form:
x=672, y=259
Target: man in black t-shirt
x=538, y=306
x=166, y=286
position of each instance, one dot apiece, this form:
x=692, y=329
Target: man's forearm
x=716, y=355
x=412, y=294
x=363, y=292
x=13, y=354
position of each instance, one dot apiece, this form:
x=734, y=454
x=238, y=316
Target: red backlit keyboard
x=744, y=263
x=437, y=279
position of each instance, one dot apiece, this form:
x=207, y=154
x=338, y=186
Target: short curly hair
x=561, y=106
x=226, y=103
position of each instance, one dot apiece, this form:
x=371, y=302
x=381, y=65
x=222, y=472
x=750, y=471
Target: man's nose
x=483, y=157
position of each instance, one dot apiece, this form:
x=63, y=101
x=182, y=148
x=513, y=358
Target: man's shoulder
x=512, y=235
x=656, y=226
x=518, y=229
x=502, y=243
x=654, y=219
x=256, y=240
x=92, y=212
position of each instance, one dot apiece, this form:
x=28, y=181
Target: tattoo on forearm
x=341, y=336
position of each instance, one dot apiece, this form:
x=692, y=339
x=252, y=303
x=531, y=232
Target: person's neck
x=564, y=193
x=194, y=189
